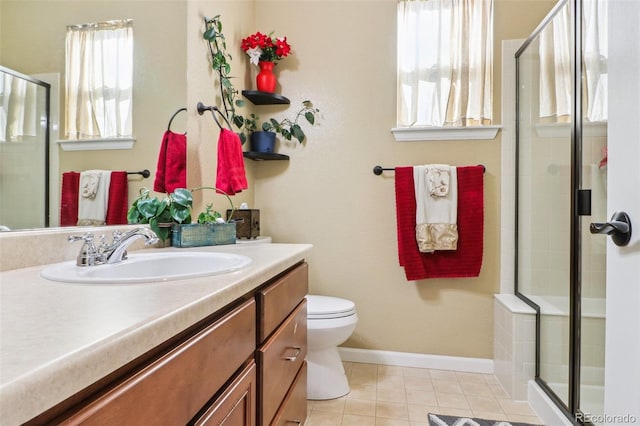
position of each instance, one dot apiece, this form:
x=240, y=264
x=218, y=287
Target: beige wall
x=327, y=195
x=33, y=41
x=237, y=20
x=344, y=61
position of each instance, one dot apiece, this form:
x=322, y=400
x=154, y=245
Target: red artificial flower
x=282, y=47
x=264, y=47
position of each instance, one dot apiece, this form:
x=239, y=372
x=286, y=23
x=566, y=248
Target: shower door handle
x=619, y=228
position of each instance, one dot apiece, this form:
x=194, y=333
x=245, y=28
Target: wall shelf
x=265, y=98
x=261, y=156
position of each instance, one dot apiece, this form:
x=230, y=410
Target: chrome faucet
x=90, y=255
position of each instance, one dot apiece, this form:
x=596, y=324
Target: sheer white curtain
x=99, y=77
x=445, y=54
x=556, y=69
x=18, y=109
x=595, y=59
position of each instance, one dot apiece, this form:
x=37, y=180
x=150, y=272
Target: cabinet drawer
x=237, y=405
x=277, y=300
x=293, y=410
x=279, y=361
x=172, y=389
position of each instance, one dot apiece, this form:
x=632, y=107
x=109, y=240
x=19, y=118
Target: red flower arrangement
x=262, y=47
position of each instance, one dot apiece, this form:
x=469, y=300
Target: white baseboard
x=408, y=359
x=546, y=410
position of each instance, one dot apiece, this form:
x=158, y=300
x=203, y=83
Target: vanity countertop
x=58, y=338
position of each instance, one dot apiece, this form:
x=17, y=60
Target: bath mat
x=440, y=420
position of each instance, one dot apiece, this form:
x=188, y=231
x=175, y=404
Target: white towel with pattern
x=436, y=190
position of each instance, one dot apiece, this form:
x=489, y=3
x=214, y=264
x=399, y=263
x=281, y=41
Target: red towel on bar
x=118, y=199
x=466, y=261
x=171, y=171
x=69, y=199
x=230, y=177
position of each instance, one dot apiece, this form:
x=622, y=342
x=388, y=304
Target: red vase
x=266, y=79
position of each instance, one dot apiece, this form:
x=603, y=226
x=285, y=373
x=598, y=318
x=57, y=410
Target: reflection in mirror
x=24, y=148
x=159, y=82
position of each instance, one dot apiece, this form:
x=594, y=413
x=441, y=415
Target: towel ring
x=202, y=108
x=174, y=116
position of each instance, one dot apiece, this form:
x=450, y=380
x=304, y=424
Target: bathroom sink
x=148, y=267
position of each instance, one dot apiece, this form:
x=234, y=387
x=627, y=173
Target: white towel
x=436, y=188
x=94, y=197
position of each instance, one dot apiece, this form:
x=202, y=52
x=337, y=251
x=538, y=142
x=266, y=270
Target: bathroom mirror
x=159, y=80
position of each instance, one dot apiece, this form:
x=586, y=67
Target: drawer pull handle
x=298, y=349
x=295, y=422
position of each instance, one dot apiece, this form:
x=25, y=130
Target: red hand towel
x=466, y=261
x=118, y=199
x=230, y=176
x=171, y=171
x=69, y=199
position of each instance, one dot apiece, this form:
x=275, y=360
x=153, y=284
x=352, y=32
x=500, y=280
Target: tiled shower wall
x=514, y=343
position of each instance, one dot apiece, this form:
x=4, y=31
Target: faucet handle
x=87, y=237
x=88, y=255
x=117, y=235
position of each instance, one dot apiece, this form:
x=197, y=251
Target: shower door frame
x=577, y=209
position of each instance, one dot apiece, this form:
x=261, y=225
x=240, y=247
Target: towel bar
x=144, y=173
x=377, y=170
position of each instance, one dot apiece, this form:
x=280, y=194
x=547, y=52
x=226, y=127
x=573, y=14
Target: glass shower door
x=545, y=187
x=561, y=172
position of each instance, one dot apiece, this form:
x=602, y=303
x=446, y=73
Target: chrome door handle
x=297, y=350
x=619, y=228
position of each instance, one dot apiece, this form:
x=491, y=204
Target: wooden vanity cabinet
x=282, y=347
x=243, y=366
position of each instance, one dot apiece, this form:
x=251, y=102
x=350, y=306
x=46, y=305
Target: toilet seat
x=326, y=307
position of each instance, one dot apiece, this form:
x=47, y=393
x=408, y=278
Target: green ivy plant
x=174, y=208
x=220, y=62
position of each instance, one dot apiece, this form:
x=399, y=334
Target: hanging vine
x=220, y=62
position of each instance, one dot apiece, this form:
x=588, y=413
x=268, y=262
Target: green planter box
x=198, y=235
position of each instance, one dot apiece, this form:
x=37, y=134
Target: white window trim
x=96, y=144
x=416, y=134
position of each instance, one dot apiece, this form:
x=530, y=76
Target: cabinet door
x=279, y=361
x=174, y=388
x=237, y=405
x=293, y=410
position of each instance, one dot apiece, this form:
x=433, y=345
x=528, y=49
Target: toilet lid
x=323, y=307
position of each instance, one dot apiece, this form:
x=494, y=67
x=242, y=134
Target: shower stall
x=561, y=144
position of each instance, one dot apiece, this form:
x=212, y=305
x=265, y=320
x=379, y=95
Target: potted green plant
x=171, y=216
x=287, y=128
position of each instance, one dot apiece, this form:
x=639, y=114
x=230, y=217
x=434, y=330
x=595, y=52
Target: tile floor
x=402, y=396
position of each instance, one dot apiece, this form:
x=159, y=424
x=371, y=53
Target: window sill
x=412, y=134
x=96, y=144
x=563, y=130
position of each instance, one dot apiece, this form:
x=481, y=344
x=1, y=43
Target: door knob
x=619, y=228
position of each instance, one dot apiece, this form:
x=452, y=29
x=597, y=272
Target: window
x=445, y=52
x=99, y=80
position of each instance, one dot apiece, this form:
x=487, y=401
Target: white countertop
x=58, y=338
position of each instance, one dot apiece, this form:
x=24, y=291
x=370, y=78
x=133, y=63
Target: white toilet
x=330, y=321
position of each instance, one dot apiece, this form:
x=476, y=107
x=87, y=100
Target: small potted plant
x=171, y=217
x=264, y=140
